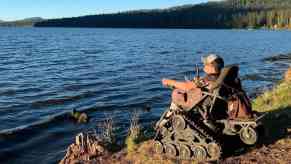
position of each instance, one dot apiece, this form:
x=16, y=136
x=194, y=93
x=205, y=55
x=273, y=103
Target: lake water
x=47, y=72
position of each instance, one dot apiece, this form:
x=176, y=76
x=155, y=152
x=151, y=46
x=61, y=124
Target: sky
x=19, y=9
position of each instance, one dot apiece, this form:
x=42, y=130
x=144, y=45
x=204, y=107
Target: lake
x=48, y=72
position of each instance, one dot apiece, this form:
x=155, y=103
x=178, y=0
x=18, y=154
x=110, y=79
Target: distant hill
x=220, y=14
x=28, y=22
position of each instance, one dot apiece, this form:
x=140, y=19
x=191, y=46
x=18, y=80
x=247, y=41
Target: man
x=213, y=65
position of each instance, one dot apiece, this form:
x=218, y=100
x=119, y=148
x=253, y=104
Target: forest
x=28, y=22
x=271, y=14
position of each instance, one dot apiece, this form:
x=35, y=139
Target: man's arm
x=186, y=86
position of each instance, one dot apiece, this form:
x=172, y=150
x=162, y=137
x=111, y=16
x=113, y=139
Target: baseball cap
x=213, y=59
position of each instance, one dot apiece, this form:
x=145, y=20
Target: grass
x=277, y=98
x=134, y=133
x=277, y=103
x=107, y=133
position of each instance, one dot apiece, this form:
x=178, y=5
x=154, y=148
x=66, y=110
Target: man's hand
x=196, y=79
x=166, y=82
x=198, y=82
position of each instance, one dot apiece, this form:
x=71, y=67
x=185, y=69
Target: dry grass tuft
x=135, y=128
x=134, y=133
x=106, y=129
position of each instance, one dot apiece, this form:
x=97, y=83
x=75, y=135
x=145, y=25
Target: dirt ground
x=278, y=152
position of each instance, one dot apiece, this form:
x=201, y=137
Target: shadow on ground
x=275, y=128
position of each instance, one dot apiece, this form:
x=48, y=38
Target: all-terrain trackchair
x=194, y=130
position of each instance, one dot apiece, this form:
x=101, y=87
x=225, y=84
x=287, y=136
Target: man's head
x=212, y=64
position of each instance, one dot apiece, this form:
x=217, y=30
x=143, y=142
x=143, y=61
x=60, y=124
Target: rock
x=80, y=117
x=86, y=147
x=96, y=148
x=78, y=139
x=83, y=118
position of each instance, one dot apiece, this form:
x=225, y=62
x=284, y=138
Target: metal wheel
x=158, y=146
x=214, y=150
x=165, y=132
x=170, y=150
x=249, y=136
x=199, y=153
x=185, y=152
x=179, y=123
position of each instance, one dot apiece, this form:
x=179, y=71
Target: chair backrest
x=228, y=76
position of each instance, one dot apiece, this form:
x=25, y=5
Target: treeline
x=257, y=4
x=29, y=22
x=223, y=14
x=260, y=13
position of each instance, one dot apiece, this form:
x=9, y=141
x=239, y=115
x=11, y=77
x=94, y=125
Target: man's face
x=210, y=69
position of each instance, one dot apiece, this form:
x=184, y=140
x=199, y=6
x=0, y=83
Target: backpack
x=239, y=105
